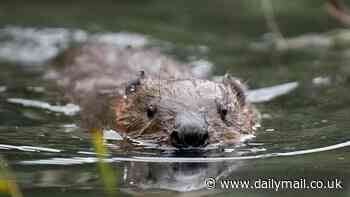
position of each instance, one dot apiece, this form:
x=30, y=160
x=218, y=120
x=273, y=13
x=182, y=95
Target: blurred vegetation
x=162, y=17
x=8, y=185
x=107, y=174
x=226, y=27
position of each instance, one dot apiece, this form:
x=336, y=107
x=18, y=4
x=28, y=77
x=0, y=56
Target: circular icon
x=210, y=183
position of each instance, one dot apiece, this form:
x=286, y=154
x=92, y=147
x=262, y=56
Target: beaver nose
x=191, y=130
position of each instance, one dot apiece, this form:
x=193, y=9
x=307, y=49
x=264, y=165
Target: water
x=304, y=134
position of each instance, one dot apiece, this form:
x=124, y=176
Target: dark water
x=304, y=134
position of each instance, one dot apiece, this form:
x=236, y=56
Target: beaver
x=148, y=96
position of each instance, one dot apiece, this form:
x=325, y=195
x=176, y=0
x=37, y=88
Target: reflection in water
x=176, y=176
x=179, y=171
x=133, y=176
x=173, y=176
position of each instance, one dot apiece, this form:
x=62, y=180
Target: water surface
x=304, y=134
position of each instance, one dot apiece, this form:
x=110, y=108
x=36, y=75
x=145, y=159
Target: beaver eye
x=151, y=111
x=222, y=110
x=131, y=86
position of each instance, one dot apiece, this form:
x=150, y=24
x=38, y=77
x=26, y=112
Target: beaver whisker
x=133, y=125
x=160, y=81
x=145, y=128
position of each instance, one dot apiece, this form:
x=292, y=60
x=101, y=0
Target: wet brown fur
x=96, y=75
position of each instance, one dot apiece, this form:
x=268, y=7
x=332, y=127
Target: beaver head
x=184, y=113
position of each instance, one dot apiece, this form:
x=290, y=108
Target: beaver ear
x=132, y=85
x=236, y=86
